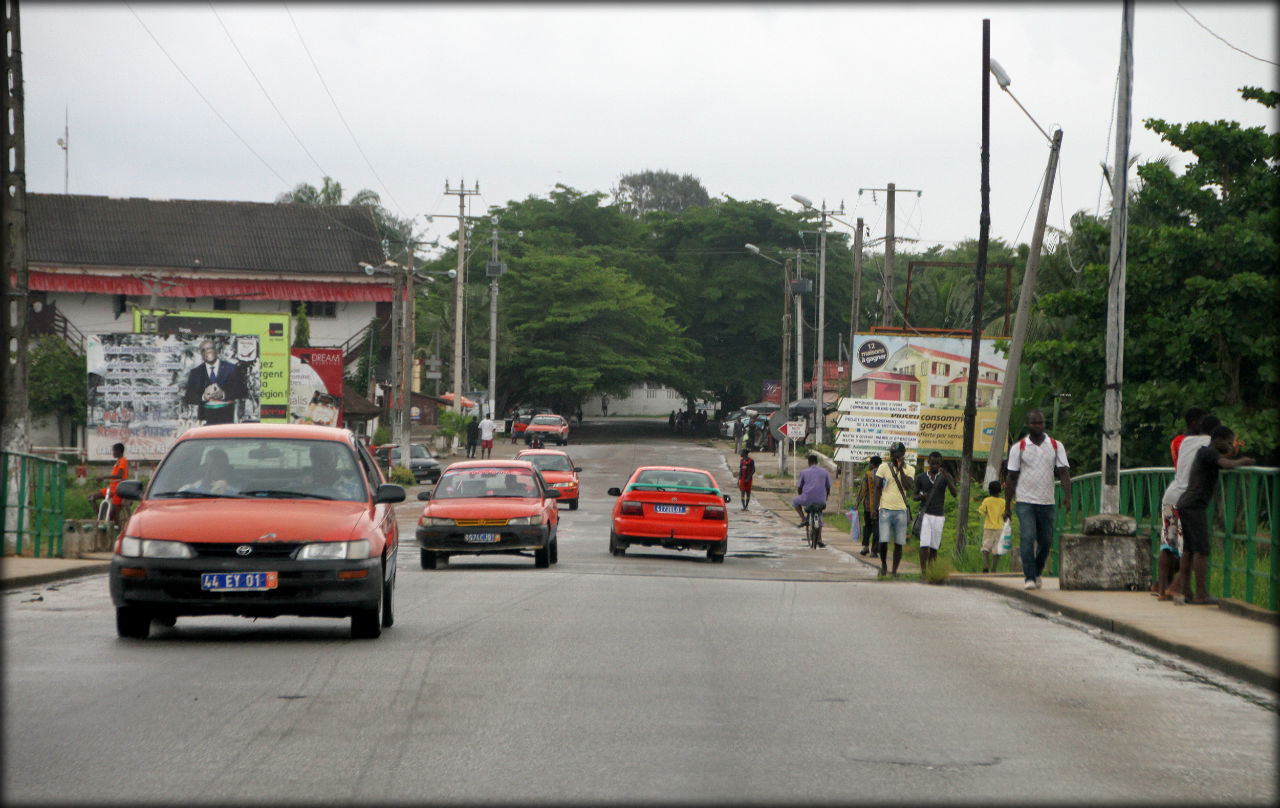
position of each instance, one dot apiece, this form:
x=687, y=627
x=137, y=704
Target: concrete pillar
x=1109, y=555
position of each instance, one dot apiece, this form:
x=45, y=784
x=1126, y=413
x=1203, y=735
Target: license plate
x=483, y=537
x=238, y=581
x=669, y=509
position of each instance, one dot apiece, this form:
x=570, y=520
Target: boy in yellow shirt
x=994, y=518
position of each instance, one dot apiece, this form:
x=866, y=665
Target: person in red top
x=746, y=471
x=119, y=472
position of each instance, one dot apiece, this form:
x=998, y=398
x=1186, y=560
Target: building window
x=225, y=304
x=324, y=309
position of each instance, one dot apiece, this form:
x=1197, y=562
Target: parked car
x=675, y=507
x=744, y=415
x=422, y=463
x=557, y=469
x=259, y=520
x=489, y=506
x=549, y=427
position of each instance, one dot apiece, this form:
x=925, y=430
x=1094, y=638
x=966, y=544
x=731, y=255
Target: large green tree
x=647, y=191
x=1203, y=280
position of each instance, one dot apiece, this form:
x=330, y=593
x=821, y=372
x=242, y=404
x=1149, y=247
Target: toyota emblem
x=244, y=550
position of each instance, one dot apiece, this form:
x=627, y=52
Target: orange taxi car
x=259, y=520
x=548, y=427
x=489, y=506
x=674, y=507
x=557, y=469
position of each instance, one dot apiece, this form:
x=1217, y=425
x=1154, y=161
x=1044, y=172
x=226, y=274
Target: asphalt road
x=782, y=675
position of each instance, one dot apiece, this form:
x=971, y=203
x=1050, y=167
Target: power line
x=1223, y=41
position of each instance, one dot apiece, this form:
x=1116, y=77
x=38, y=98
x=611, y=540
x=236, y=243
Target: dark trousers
x=870, y=529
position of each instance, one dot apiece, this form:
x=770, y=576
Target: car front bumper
x=308, y=588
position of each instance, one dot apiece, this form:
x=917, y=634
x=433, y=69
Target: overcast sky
x=759, y=101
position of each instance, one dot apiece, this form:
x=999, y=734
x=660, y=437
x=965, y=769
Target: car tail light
x=631, y=508
x=713, y=512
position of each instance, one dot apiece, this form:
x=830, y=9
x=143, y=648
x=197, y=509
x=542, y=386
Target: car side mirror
x=424, y=495
x=727, y=499
x=552, y=493
x=387, y=492
x=615, y=492
x=129, y=489
x=577, y=469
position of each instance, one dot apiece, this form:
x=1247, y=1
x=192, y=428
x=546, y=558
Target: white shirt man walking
x=487, y=428
x=1033, y=462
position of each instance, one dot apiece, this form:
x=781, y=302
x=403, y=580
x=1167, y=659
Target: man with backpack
x=1033, y=463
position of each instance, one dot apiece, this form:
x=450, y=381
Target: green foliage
x=302, y=328
x=451, y=424
x=402, y=476
x=57, y=382
x=648, y=191
x=381, y=435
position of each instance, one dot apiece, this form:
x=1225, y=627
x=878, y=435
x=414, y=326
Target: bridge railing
x=1244, y=531
x=34, y=490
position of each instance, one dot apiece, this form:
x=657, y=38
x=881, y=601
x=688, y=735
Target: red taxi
x=489, y=506
x=259, y=520
x=557, y=469
x=674, y=507
x=549, y=428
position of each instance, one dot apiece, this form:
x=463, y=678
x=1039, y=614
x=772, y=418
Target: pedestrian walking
x=932, y=485
x=1033, y=462
x=994, y=517
x=746, y=473
x=895, y=514
x=473, y=436
x=1194, y=517
x=869, y=500
x=1199, y=424
x=486, y=429
x=579, y=415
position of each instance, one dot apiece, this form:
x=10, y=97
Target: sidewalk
x=1236, y=638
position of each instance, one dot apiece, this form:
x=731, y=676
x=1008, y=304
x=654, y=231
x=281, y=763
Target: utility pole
x=886, y=304
x=854, y=321
x=15, y=418
x=820, y=348
x=1000, y=435
x=786, y=350
x=984, y=228
x=1110, y=500
x=407, y=339
x=494, y=270
x=459, y=286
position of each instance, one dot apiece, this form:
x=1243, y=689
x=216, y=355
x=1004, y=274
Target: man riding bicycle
x=813, y=485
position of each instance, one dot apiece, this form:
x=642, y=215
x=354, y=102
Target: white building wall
x=641, y=400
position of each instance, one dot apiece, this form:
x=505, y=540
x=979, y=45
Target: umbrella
x=466, y=402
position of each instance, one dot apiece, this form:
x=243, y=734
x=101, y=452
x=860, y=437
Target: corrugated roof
x=99, y=231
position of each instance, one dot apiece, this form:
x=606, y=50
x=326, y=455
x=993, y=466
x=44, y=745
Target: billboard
x=272, y=331
x=315, y=386
x=147, y=389
x=913, y=389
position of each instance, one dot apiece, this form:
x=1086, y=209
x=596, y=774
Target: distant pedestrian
x=932, y=485
x=895, y=514
x=869, y=499
x=1033, y=462
x=486, y=429
x=473, y=436
x=579, y=414
x=604, y=406
x=1194, y=436
x=994, y=517
x=1193, y=513
x=746, y=473
x=671, y=421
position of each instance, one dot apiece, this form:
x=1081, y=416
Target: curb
x=35, y=579
x=1230, y=667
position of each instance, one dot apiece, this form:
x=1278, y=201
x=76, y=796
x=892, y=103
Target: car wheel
x=573, y=504
x=366, y=624
x=428, y=559
x=542, y=557
x=388, y=597
x=554, y=553
x=616, y=547
x=133, y=623
x=715, y=553
x=167, y=620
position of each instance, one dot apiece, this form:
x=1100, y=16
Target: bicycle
x=813, y=525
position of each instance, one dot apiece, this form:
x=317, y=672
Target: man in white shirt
x=1033, y=462
x=486, y=437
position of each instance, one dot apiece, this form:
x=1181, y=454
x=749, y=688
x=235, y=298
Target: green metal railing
x=1242, y=517
x=34, y=495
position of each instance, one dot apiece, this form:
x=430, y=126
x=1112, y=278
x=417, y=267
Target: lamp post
x=786, y=335
x=822, y=302
x=999, y=436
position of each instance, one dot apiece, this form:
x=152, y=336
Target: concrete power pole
x=854, y=321
x=495, y=270
x=459, y=287
x=15, y=418
x=886, y=305
x=786, y=352
x=408, y=338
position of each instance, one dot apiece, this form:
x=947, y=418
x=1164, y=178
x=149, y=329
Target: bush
x=381, y=435
x=402, y=476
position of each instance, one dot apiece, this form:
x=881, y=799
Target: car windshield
x=668, y=479
x=549, y=462
x=546, y=420
x=268, y=468
x=417, y=450
x=486, y=482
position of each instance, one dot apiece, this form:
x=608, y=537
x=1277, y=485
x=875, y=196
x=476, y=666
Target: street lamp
x=999, y=435
x=822, y=302
x=786, y=335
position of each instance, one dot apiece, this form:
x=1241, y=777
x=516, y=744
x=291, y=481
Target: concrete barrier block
x=1104, y=562
x=1110, y=524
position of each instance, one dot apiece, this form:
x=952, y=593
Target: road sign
x=795, y=429
x=775, y=424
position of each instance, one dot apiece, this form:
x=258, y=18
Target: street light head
x=803, y=200
x=752, y=248
x=1002, y=77
x=453, y=273
x=367, y=267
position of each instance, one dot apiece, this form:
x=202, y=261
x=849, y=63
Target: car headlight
x=560, y=485
x=525, y=520
x=334, y=550
x=435, y=521
x=133, y=547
